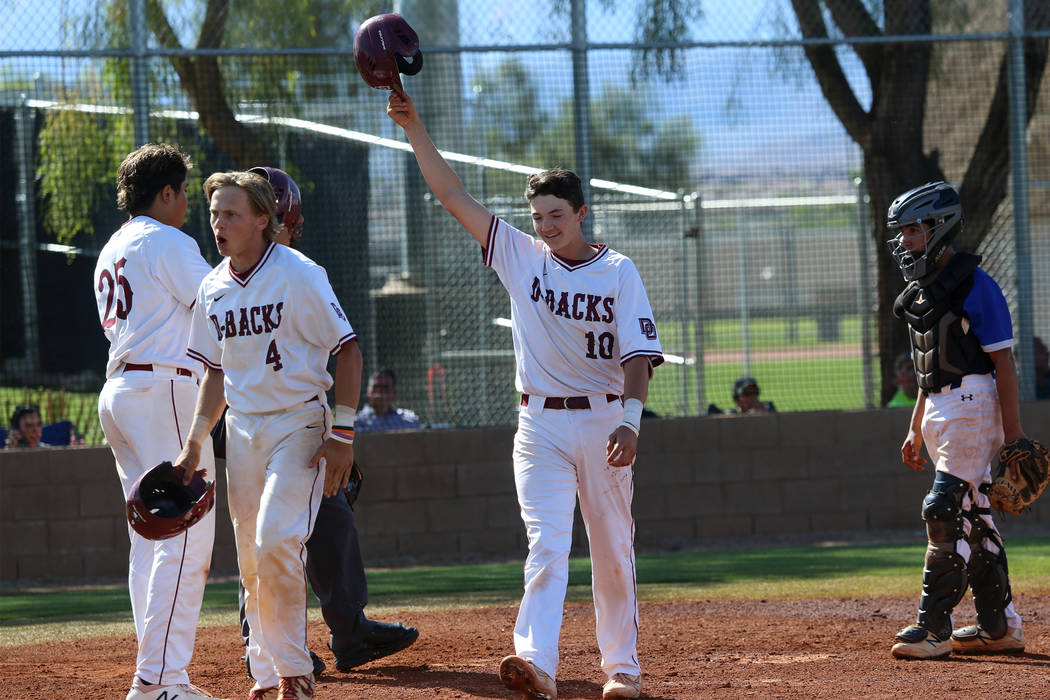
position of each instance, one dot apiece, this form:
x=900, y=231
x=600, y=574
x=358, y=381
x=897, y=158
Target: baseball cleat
x=915, y=642
x=527, y=678
x=296, y=688
x=974, y=640
x=264, y=694
x=622, y=685
x=183, y=691
x=384, y=639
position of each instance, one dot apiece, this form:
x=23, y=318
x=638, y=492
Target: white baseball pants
x=145, y=417
x=559, y=454
x=963, y=429
x=274, y=495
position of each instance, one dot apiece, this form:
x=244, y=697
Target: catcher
x=961, y=338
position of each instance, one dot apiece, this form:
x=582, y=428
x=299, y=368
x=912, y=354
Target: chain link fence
x=742, y=186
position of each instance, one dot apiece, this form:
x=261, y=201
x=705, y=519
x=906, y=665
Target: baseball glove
x=353, y=486
x=1030, y=461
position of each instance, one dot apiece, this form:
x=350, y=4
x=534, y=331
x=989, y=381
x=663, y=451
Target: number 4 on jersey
x=273, y=357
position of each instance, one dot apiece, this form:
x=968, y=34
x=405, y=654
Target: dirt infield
x=772, y=649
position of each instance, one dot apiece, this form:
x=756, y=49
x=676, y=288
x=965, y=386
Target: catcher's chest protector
x=943, y=348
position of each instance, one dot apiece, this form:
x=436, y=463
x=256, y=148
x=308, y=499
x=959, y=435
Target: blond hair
x=260, y=196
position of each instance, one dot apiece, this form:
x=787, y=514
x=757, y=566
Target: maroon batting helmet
x=161, y=506
x=289, y=202
x=384, y=47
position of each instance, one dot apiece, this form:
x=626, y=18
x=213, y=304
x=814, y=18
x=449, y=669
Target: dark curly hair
x=146, y=171
x=558, y=182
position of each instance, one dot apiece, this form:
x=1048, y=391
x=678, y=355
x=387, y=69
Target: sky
x=745, y=105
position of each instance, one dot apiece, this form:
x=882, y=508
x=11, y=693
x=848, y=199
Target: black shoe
x=384, y=639
x=319, y=664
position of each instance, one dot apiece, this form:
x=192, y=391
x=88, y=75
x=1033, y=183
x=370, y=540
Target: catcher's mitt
x=1032, y=466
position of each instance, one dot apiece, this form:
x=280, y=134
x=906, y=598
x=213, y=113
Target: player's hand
x=188, y=460
x=911, y=451
x=622, y=447
x=339, y=457
x=401, y=109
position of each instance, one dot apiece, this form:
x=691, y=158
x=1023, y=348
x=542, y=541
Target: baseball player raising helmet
x=961, y=339
x=585, y=345
x=146, y=281
x=284, y=450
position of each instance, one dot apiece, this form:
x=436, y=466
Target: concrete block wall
x=450, y=493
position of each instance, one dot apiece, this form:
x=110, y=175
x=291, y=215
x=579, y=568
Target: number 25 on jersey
x=108, y=283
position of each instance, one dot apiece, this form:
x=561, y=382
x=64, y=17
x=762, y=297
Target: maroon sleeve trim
x=343, y=342
x=486, y=250
x=193, y=354
x=655, y=358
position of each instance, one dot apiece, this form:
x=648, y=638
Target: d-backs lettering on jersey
x=270, y=330
x=146, y=280
x=574, y=323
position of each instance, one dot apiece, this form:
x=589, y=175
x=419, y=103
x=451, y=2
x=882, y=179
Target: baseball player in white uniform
x=146, y=281
x=585, y=345
x=265, y=322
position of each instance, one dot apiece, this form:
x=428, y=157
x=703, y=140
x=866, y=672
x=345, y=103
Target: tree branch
x=830, y=77
x=984, y=184
x=203, y=82
x=853, y=18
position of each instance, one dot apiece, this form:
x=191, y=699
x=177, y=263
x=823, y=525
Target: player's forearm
x=1006, y=386
x=917, y=411
x=211, y=399
x=348, y=366
x=446, y=184
x=636, y=374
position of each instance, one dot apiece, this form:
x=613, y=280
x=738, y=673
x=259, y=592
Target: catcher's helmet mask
x=160, y=506
x=289, y=201
x=384, y=47
x=936, y=205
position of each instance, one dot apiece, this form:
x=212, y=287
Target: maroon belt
x=574, y=402
x=131, y=367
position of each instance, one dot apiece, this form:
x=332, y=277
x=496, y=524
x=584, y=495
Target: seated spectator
x=380, y=413
x=1042, y=369
x=26, y=428
x=745, y=396
x=907, y=385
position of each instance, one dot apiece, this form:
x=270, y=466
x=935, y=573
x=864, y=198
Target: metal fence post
x=581, y=106
x=864, y=310
x=698, y=336
x=27, y=244
x=139, y=71
x=1023, y=347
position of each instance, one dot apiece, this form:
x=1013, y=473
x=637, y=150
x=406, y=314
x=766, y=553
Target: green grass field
x=796, y=572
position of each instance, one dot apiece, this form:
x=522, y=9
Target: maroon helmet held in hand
x=384, y=47
x=161, y=506
x=289, y=201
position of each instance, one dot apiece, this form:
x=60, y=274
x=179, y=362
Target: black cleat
x=384, y=639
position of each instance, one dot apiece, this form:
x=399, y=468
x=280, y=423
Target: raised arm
x=443, y=181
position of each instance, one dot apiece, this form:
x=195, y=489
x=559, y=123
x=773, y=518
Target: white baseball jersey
x=574, y=323
x=146, y=280
x=269, y=329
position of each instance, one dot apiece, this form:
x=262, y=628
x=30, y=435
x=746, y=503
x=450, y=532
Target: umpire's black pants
x=336, y=573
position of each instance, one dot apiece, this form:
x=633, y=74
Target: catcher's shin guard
x=989, y=579
x=944, y=576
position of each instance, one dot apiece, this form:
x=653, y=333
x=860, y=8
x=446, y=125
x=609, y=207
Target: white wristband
x=632, y=415
x=344, y=416
x=199, y=430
